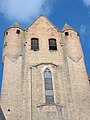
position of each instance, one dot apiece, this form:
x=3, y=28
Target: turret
x=12, y=72
x=12, y=42
x=72, y=43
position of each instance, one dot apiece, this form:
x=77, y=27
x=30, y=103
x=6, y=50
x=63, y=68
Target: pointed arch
x=48, y=86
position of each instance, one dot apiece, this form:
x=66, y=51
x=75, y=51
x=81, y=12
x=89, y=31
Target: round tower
x=12, y=42
x=72, y=43
x=12, y=52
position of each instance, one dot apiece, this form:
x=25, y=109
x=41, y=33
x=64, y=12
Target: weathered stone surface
x=23, y=86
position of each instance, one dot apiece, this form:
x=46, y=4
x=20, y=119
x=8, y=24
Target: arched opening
x=48, y=86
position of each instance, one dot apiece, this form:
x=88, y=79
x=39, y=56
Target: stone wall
x=23, y=87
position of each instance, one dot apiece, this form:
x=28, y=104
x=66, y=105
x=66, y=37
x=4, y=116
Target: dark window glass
x=66, y=33
x=34, y=44
x=48, y=74
x=52, y=44
x=49, y=92
x=49, y=99
x=18, y=31
x=48, y=86
x=48, y=80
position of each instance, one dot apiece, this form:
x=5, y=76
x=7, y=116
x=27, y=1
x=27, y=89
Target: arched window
x=48, y=86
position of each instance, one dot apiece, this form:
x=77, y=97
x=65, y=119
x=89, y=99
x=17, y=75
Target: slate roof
x=1, y=115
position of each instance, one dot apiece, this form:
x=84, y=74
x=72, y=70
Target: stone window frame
x=52, y=44
x=34, y=44
x=49, y=96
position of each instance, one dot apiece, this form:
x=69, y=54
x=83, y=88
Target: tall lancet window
x=48, y=86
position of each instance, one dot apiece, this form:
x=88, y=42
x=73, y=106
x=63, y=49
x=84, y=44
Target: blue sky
x=76, y=13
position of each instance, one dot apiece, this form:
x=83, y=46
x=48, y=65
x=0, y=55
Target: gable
x=42, y=21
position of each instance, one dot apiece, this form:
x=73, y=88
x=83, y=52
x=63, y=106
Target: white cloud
x=83, y=29
x=86, y=2
x=23, y=10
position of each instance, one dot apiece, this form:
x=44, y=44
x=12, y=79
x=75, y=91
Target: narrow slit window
x=34, y=44
x=18, y=31
x=7, y=33
x=48, y=86
x=52, y=44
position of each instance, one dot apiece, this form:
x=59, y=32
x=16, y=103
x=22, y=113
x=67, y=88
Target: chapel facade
x=44, y=75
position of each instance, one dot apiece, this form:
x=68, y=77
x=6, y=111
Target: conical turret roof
x=15, y=25
x=67, y=27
